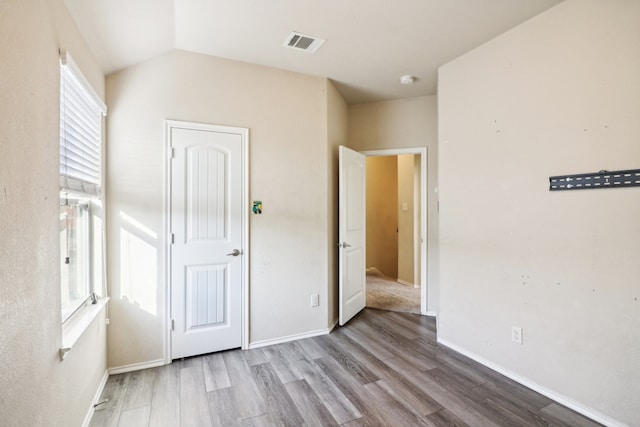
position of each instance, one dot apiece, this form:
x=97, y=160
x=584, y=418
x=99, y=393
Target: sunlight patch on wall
x=138, y=264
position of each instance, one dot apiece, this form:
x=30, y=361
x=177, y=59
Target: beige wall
x=417, y=214
x=405, y=123
x=337, y=129
x=36, y=388
x=559, y=94
x=405, y=219
x=287, y=117
x=382, y=215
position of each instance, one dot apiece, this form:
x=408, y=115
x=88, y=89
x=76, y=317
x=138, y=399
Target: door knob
x=344, y=245
x=235, y=252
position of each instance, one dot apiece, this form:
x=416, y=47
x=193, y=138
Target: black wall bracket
x=602, y=179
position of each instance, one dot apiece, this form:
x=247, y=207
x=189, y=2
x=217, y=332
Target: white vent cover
x=305, y=43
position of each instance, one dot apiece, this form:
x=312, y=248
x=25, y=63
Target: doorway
x=396, y=230
x=207, y=224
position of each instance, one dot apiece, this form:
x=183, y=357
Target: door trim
x=176, y=124
x=422, y=151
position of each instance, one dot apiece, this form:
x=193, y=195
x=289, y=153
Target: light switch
x=405, y=206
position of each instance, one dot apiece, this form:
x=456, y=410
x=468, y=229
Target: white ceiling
x=370, y=43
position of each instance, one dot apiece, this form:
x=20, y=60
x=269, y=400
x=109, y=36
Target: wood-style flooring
x=382, y=369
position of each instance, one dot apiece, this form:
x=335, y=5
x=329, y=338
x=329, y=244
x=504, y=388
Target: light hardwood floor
x=382, y=369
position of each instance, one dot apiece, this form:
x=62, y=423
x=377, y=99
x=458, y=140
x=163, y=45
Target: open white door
x=207, y=260
x=353, y=284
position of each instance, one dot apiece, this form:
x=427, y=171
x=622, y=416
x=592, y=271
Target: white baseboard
x=289, y=338
x=136, y=366
x=557, y=397
x=432, y=314
x=96, y=396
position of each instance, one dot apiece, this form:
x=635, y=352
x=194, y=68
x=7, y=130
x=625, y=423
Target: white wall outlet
x=516, y=334
x=315, y=300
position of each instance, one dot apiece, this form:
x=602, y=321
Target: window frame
x=76, y=190
x=85, y=243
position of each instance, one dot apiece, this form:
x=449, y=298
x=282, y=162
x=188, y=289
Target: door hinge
x=172, y=154
x=173, y=325
x=173, y=238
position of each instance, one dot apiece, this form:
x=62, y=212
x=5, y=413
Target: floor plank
x=250, y=401
x=409, y=396
x=278, y=401
x=215, y=372
x=371, y=340
x=165, y=404
x=348, y=360
x=314, y=412
x=370, y=413
x=393, y=411
x=311, y=348
x=561, y=415
x=281, y=358
x=140, y=388
x=444, y=418
x=264, y=420
x=135, y=417
x=107, y=414
x=194, y=407
x=224, y=408
x=340, y=406
x=381, y=369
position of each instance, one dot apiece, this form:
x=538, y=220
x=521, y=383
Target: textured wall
x=382, y=215
x=559, y=94
x=36, y=388
x=406, y=225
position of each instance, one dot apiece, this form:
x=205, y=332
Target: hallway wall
x=406, y=219
x=382, y=215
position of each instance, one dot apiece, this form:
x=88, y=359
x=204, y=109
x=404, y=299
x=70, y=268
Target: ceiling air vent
x=305, y=43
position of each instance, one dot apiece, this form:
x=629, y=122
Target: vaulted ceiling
x=370, y=43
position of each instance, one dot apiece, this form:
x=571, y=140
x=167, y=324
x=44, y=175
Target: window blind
x=81, y=114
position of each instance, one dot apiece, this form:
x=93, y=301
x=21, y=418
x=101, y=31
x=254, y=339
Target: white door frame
x=422, y=151
x=168, y=154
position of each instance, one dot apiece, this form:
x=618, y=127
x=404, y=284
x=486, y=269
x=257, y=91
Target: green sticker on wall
x=257, y=207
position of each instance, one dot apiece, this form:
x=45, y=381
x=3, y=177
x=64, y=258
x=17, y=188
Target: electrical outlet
x=315, y=300
x=516, y=334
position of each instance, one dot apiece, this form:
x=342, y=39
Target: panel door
x=352, y=246
x=207, y=228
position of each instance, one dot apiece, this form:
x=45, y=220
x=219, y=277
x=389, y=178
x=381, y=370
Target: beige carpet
x=387, y=294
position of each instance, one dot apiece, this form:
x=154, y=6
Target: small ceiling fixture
x=305, y=43
x=408, y=79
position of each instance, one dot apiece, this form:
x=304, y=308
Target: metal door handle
x=344, y=245
x=235, y=252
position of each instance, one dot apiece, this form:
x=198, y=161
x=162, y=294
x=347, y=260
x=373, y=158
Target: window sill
x=73, y=329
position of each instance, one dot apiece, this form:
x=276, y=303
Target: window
x=81, y=116
x=75, y=255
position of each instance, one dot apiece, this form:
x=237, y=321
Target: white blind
x=80, y=132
